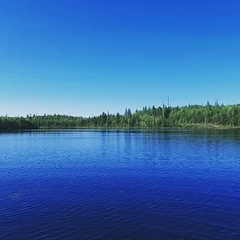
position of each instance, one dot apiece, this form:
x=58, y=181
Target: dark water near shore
x=120, y=185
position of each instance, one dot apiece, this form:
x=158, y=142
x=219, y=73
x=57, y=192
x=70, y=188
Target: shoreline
x=185, y=127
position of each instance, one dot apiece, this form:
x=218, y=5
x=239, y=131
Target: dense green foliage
x=189, y=116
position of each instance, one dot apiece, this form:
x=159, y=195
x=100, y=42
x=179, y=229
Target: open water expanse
x=172, y=184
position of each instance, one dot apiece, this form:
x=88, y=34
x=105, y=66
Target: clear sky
x=83, y=57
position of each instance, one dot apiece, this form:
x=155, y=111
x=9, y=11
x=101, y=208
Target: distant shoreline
x=190, y=127
x=192, y=116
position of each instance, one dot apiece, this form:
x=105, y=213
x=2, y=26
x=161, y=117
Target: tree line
x=149, y=117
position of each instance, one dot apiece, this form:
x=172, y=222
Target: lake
x=85, y=184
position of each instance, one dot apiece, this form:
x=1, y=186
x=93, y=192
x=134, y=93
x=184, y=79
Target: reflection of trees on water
x=183, y=148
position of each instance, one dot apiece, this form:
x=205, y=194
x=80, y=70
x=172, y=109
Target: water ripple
x=118, y=185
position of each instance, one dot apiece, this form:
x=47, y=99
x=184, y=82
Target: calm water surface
x=120, y=185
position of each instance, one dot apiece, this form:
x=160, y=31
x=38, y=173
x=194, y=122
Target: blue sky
x=88, y=56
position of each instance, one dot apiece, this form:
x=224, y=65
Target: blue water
x=120, y=185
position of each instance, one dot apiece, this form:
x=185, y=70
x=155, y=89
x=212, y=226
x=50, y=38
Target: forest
x=195, y=116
